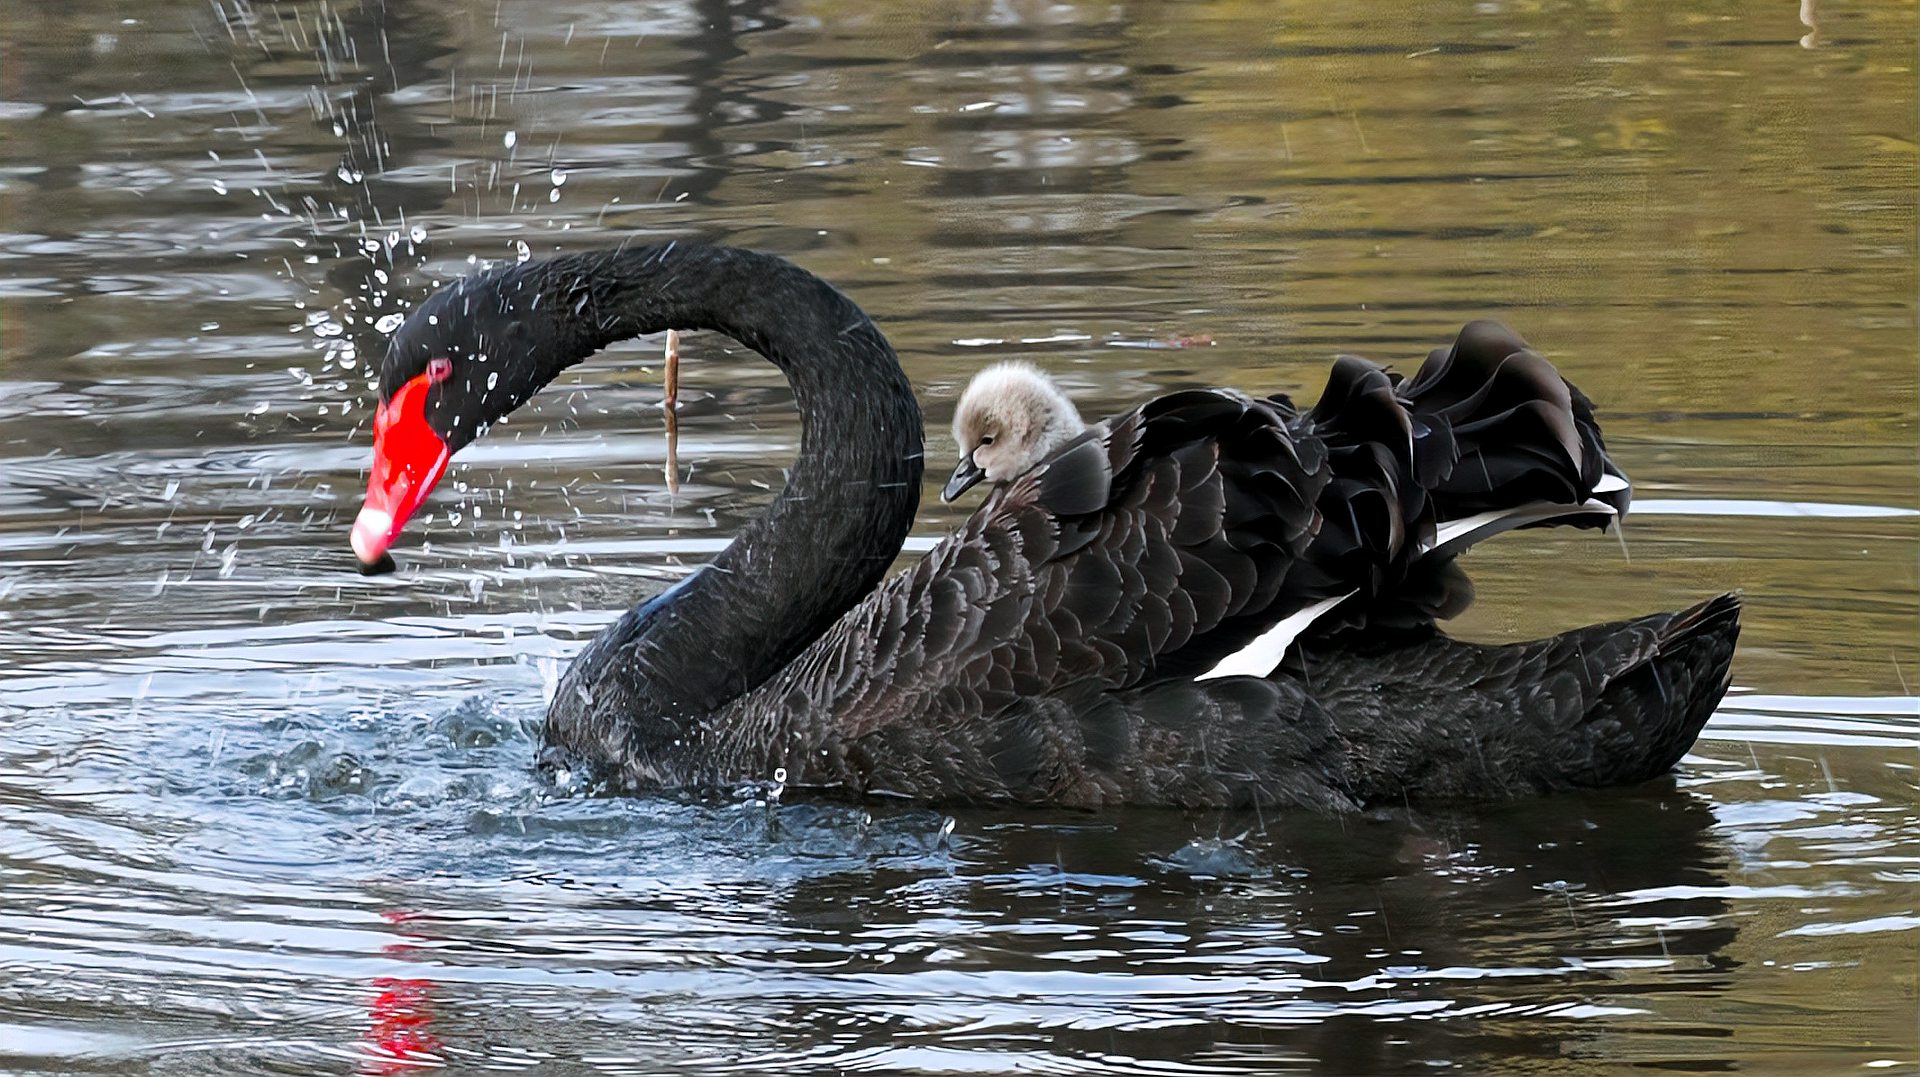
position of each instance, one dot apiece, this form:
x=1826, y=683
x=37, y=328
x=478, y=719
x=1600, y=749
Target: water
x=258, y=813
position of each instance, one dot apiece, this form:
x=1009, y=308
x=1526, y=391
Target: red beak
x=408, y=459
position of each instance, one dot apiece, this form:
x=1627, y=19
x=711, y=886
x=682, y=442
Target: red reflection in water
x=400, y=1017
x=400, y=1027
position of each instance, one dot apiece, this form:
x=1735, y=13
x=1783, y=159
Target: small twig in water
x=671, y=402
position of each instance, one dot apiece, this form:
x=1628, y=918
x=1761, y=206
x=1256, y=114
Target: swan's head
x=466, y=356
x=1011, y=417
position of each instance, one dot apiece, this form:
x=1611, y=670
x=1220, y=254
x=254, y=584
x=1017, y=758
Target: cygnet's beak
x=965, y=474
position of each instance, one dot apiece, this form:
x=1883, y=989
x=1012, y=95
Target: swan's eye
x=986, y=439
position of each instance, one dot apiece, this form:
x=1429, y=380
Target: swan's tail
x=1651, y=711
x=1485, y=437
x=1432, y=718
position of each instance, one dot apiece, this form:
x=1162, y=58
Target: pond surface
x=258, y=813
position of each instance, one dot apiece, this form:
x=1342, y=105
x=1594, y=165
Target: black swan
x=1107, y=628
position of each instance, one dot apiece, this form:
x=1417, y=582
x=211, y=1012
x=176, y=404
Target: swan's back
x=1147, y=547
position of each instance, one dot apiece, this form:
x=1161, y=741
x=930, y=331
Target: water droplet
x=559, y=177
x=493, y=378
x=389, y=322
x=173, y=487
x=510, y=139
x=521, y=251
x=418, y=234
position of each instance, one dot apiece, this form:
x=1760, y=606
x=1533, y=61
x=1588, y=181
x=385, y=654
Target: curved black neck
x=827, y=539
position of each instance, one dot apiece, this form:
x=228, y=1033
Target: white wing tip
x=1262, y=656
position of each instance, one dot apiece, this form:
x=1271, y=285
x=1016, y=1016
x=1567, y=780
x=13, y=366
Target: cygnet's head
x=1009, y=419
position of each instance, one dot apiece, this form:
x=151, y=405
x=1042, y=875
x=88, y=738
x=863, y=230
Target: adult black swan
x=1111, y=626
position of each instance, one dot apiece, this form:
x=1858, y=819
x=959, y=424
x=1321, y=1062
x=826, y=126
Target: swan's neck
x=823, y=544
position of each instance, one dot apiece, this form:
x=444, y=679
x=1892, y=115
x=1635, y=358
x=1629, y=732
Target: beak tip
x=369, y=538
x=379, y=566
